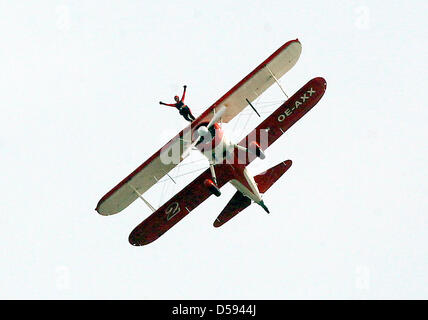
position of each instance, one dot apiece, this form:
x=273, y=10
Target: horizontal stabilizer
x=238, y=203
x=268, y=178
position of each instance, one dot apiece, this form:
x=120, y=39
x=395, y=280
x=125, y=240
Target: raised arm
x=184, y=92
x=167, y=104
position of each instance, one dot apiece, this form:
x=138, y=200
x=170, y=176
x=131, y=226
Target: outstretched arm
x=184, y=92
x=167, y=104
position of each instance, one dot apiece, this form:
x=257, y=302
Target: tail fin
x=238, y=203
x=266, y=179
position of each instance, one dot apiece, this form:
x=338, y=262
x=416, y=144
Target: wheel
x=211, y=186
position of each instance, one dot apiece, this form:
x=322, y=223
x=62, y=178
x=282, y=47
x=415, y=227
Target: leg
x=190, y=114
x=183, y=113
x=187, y=114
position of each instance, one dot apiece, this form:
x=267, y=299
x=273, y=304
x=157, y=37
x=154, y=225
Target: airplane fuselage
x=219, y=149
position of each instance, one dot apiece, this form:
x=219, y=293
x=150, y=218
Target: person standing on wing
x=182, y=108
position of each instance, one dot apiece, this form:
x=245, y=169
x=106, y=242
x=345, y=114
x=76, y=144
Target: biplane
x=227, y=160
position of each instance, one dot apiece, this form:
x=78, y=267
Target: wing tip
x=322, y=81
x=100, y=211
x=133, y=240
x=106, y=210
x=217, y=223
x=97, y=209
x=137, y=239
x=288, y=163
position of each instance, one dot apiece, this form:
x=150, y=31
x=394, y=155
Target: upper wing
x=256, y=82
x=178, y=207
x=142, y=178
x=169, y=156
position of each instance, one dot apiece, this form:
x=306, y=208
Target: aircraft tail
x=266, y=179
x=239, y=201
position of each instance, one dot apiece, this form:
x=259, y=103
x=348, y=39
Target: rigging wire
x=182, y=175
x=263, y=105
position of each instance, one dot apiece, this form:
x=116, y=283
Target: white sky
x=80, y=83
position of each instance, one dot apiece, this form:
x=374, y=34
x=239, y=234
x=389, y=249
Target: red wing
x=286, y=115
x=178, y=207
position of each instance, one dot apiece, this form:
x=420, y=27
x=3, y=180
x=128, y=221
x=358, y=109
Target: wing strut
x=252, y=107
x=169, y=176
x=141, y=196
x=213, y=173
x=276, y=80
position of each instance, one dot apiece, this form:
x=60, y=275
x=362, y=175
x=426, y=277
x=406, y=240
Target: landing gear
x=212, y=187
x=212, y=184
x=255, y=148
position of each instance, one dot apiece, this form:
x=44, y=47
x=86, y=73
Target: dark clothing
x=182, y=108
x=179, y=105
x=187, y=114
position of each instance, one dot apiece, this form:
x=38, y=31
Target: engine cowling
x=212, y=137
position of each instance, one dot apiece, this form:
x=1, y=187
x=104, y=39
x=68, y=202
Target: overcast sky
x=80, y=83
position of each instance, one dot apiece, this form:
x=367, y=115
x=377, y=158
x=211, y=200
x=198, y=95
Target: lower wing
x=178, y=207
x=274, y=126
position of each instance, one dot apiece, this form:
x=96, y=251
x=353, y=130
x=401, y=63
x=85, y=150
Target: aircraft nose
x=203, y=131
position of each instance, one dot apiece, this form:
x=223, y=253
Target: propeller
x=217, y=116
x=203, y=131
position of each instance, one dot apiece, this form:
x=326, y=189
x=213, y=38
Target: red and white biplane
x=228, y=161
